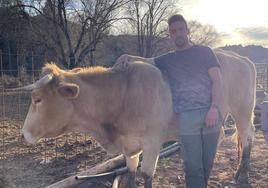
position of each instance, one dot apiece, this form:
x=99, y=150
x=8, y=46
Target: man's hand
x=122, y=61
x=212, y=117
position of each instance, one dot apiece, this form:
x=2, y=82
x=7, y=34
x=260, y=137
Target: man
x=195, y=80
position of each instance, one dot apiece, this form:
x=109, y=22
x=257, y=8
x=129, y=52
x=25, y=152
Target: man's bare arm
x=138, y=58
x=216, y=77
x=213, y=113
x=129, y=58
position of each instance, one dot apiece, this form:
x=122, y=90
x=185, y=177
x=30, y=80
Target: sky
x=238, y=21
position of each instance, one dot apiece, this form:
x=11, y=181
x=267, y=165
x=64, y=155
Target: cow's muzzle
x=28, y=137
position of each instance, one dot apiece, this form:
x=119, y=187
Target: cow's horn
x=38, y=84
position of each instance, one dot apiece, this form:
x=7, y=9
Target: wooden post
x=2, y=77
x=32, y=61
x=1, y=64
x=3, y=108
x=19, y=98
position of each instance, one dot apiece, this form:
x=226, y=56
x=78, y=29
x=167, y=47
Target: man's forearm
x=216, y=94
x=138, y=58
x=216, y=77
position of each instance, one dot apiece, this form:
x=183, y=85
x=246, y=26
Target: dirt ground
x=224, y=167
x=25, y=166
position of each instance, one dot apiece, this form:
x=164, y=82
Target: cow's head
x=52, y=107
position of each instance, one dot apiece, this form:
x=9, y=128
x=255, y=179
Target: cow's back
x=238, y=75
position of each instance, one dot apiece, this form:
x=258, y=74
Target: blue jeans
x=199, y=145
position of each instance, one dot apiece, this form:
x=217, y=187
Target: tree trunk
x=72, y=63
x=91, y=59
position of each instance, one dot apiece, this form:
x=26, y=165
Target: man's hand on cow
x=122, y=62
x=212, y=117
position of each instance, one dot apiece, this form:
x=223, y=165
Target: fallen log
x=107, y=167
x=100, y=168
x=104, y=168
x=164, y=153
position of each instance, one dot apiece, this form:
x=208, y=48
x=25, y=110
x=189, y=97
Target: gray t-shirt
x=188, y=76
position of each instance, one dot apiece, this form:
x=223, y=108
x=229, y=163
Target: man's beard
x=181, y=42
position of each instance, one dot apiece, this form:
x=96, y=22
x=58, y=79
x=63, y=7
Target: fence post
x=1, y=64
x=33, y=79
x=2, y=77
x=266, y=77
x=19, y=98
x=3, y=107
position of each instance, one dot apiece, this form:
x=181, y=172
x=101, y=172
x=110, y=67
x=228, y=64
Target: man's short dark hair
x=175, y=18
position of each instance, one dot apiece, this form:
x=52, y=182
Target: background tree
x=72, y=29
x=199, y=34
x=12, y=30
x=148, y=20
x=203, y=34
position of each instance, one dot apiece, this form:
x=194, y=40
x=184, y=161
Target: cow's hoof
x=148, y=184
x=127, y=181
x=241, y=183
x=148, y=181
x=241, y=178
x=131, y=182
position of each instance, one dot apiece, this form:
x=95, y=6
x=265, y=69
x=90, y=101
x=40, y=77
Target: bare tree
x=72, y=29
x=148, y=19
x=12, y=28
x=203, y=34
x=199, y=34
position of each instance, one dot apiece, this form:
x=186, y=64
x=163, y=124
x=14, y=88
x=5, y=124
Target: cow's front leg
x=149, y=161
x=132, y=164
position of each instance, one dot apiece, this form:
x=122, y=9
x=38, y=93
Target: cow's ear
x=68, y=90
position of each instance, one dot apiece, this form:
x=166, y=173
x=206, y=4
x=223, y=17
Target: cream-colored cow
x=129, y=110
x=125, y=111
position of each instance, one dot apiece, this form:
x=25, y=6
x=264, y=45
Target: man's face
x=179, y=33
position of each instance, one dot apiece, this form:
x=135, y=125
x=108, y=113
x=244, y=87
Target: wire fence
x=75, y=151
x=262, y=75
x=13, y=110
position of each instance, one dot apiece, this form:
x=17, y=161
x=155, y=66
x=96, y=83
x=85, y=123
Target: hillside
x=257, y=54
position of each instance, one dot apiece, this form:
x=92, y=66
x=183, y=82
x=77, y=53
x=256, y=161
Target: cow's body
x=128, y=111
x=125, y=111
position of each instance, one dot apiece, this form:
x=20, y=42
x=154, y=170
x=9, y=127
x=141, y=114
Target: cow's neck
x=105, y=133
x=100, y=100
